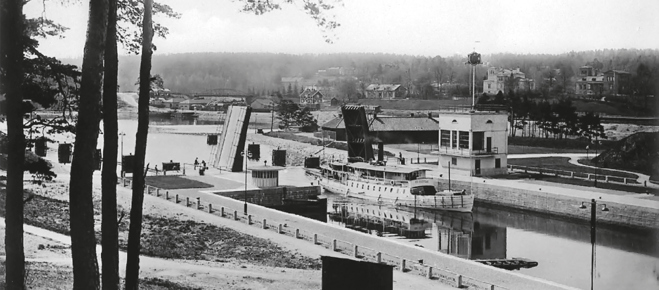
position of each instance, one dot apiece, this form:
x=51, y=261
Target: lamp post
x=122, y=134
x=248, y=155
x=593, y=232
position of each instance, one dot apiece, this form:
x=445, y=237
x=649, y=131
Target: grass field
x=561, y=163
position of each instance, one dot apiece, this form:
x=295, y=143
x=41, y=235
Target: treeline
x=542, y=118
x=262, y=72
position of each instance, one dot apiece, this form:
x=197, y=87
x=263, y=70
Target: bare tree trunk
x=83, y=239
x=109, y=227
x=134, y=233
x=11, y=61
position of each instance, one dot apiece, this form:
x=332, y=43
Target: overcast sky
x=415, y=27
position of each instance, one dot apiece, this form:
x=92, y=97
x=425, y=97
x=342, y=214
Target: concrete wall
x=564, y=206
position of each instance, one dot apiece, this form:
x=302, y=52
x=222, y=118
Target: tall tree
x=109, y=226
x=83, y=239
x=135, y=230
x=11, y=71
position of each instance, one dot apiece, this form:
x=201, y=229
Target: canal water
x=625, y=258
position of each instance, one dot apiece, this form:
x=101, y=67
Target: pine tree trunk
x=83, y=239
x=109, y=227
x=11, y=61
x=135, y=230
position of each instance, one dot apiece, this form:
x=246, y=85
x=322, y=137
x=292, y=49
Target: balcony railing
x=467, y=152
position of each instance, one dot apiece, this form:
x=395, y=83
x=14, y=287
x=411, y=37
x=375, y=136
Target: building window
x=454, y=161
x=497, y=163
x=445, y=138
x=478, y=141
x=464, y=139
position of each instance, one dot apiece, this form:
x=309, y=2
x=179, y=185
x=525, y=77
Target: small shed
x=265, y=176
x=334, y=102
x=342, y=273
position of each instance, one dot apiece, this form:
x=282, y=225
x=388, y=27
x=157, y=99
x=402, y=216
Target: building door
x=478, y=167
x=488, y=144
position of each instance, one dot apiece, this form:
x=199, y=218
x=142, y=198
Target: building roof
x=382, y=87
x=617, y=72
x=266, y=168
x=262, y=103
x=386, y=123
x=195, y=102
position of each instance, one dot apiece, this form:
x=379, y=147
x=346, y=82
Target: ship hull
x=446, y=202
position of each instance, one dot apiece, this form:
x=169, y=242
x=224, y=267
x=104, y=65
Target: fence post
x=334, y=245
x=625, y=180
x=187, y=201
x=606, y=178
x=177, y=198
x=158, y=192
x=235, y=215
x=279, y=229
x=198, y=202
x=210, y=208
x=429, y=275
x=458, y=281
x=402, y=264
x=315, y=239
x=148, y=189
x=265, y=225
x=355, y=251
x=571, y=174
x=588, y=176
x=222, y=211
x=378, y=257
x=297, y=233
x=249, y=219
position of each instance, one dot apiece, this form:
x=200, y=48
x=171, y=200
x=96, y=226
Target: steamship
x=387, y=184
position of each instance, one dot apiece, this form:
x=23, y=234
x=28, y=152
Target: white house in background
x=474, y=143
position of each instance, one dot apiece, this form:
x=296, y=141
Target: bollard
x=355, y=251
x=429, y=274
x=402, y=265
x=198, y=202
x=249, y=219
x=297, y=233
x=177, y=198
x=606, y=178
x=279, y=229
x=187, y=201
x=425, y=160
x=315, y=239
x=167, y=195
x=589, y=176
x=334, y=245
x=492, y=287
x=458, y=281
x=158, y=192
x=222, y=211
x=265, y=225
x=235, y=215
x=625, y=180
x=571, y=174
x=378, y=257
x=210, y=208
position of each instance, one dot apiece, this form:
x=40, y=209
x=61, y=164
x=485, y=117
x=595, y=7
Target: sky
x=412, y=27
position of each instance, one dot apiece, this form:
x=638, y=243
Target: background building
x=384, y=92
x=498, y=80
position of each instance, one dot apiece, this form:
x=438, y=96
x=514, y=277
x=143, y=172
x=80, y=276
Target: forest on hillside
x=262, y=72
